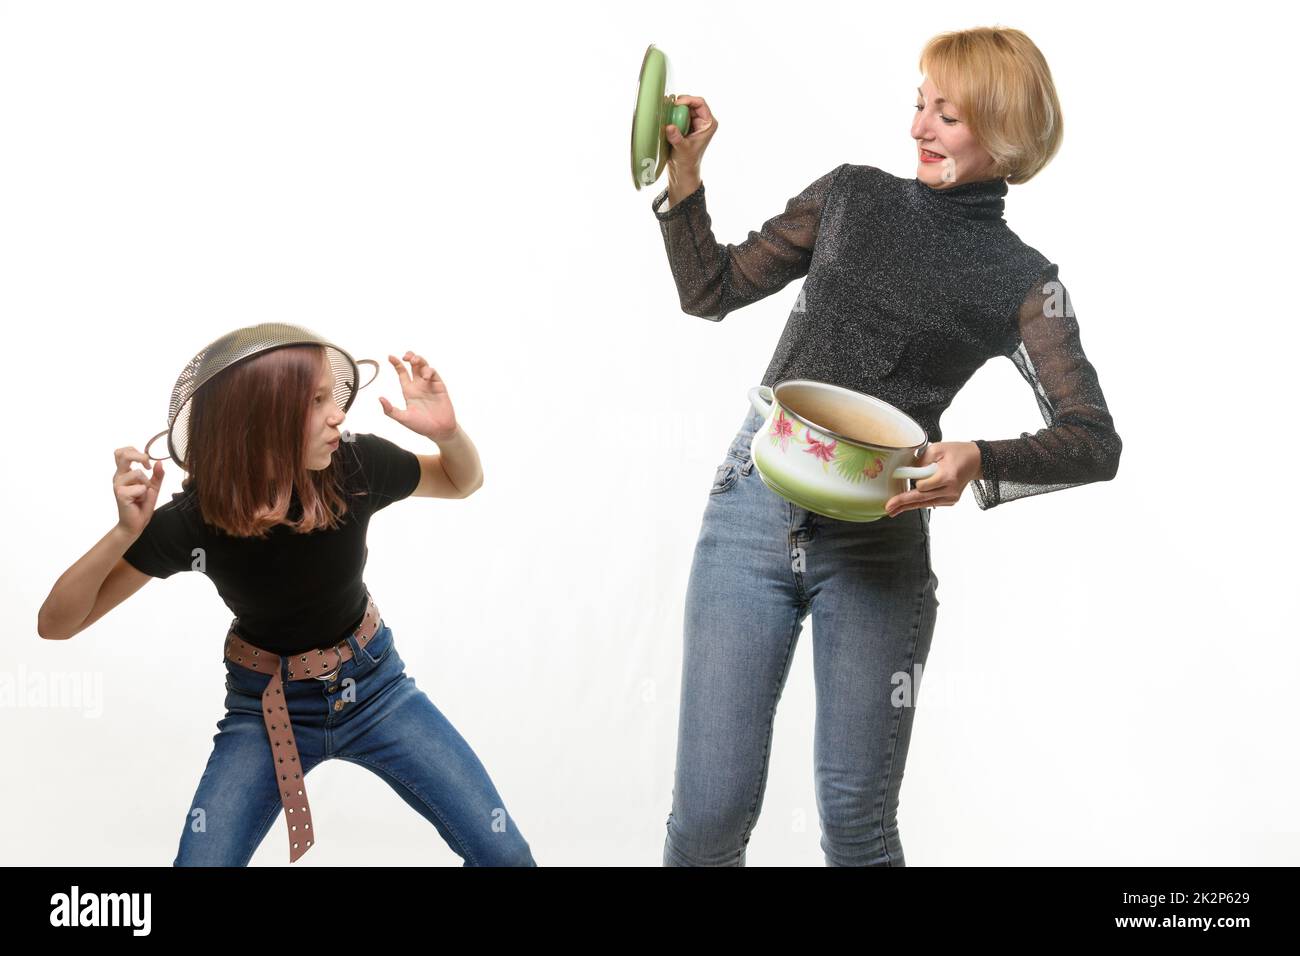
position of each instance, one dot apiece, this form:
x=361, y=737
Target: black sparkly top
x=909, y=290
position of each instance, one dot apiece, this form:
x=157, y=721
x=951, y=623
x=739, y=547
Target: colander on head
x=239, y=346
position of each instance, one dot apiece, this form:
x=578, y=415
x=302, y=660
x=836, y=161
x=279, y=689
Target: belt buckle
x=334, y=673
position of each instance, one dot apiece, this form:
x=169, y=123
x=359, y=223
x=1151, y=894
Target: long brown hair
x=247, y=442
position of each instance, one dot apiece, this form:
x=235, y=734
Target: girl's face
x=938, y=128
x=323, y=421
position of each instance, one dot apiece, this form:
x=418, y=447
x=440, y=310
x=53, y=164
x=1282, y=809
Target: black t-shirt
x=290, y=592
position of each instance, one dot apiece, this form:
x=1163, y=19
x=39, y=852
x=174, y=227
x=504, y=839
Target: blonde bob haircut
x=1000, y=83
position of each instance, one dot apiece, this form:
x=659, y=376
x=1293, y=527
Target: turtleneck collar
x=975, y=200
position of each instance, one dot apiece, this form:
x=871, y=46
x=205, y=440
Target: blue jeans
x=761, y=566
x=380, y=720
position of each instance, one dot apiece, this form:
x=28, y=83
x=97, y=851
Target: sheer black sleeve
x=714, y=279
x=1079, y=444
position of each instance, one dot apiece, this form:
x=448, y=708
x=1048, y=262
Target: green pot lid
x=655, y=109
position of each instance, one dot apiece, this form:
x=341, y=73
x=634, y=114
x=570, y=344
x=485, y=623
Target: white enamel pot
x=834, y=451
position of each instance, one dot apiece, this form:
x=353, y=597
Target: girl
x=275, y=512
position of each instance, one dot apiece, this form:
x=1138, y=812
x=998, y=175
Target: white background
x=1113, y=669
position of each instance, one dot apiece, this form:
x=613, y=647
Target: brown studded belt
x=320, y=664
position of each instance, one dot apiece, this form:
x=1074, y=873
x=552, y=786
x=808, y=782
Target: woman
x=283, y=540
x=912, y=284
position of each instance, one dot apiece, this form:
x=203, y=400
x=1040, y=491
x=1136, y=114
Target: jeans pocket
x=730, y=471
x=737, y=463
x=245, y=680
x=725, y=476
x=379, y=647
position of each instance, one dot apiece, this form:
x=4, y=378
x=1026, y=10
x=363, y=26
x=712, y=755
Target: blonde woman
x=911, y=285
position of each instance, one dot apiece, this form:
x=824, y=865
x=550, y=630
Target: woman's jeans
x=371, y=714
x=761, y=566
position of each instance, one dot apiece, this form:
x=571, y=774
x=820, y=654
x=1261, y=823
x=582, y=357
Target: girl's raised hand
x=428, y=409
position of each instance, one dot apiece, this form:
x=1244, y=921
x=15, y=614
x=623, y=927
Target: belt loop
x=352, y=640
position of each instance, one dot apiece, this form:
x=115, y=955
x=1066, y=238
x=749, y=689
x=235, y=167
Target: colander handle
x=361, y=362
x=150, y=443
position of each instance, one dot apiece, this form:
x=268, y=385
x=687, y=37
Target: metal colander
x=239, y=346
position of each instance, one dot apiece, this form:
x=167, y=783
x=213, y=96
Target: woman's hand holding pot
x=959, y=465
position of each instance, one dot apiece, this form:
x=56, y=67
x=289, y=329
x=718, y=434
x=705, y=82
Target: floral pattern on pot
x=853, y=462
x=782, y=430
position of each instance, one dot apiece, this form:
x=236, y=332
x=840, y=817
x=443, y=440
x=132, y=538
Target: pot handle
x=916, y=471
x=761, y=397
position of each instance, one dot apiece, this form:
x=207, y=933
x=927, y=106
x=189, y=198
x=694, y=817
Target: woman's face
x=323, y=421
x=938, y=127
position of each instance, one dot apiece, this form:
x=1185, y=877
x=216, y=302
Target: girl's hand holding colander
x=135, y=493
